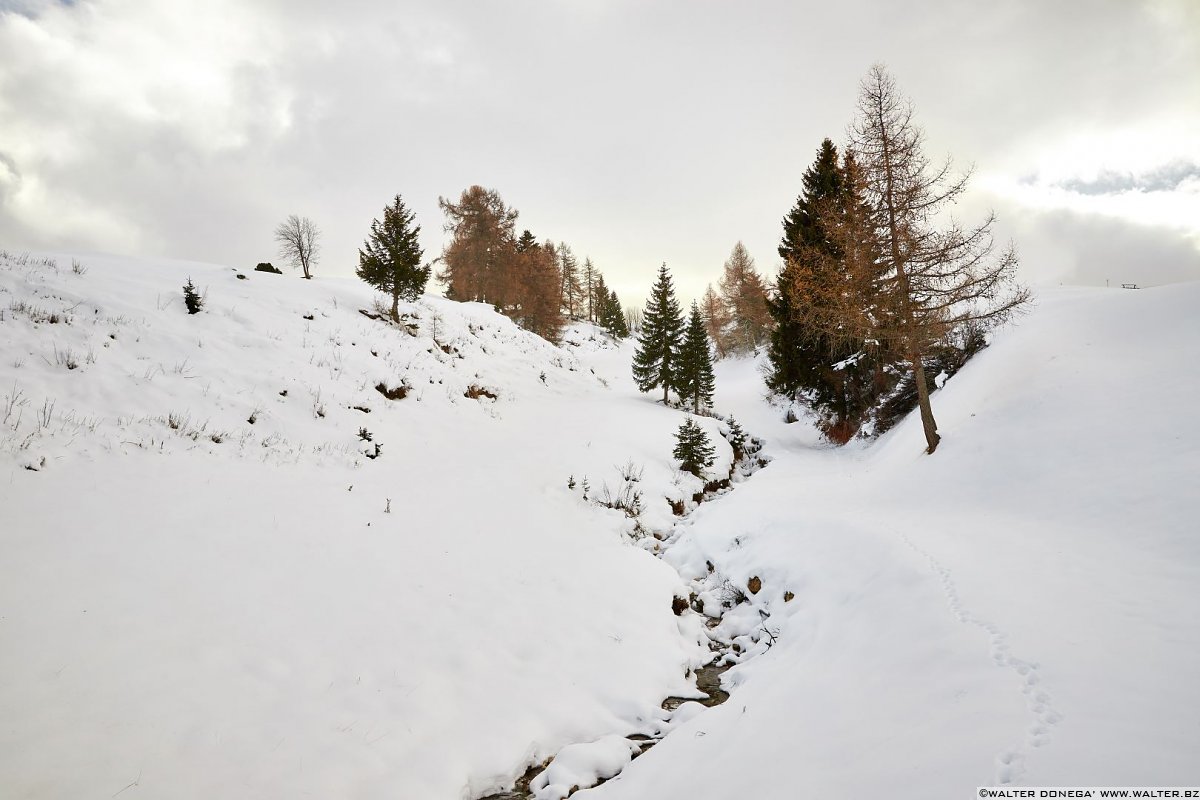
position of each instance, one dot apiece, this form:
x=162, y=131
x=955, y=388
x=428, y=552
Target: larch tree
x=299, y=243
x=538, y=309
x=588, y=279
x=745, y=296
x=694, y=381
x=934, y=278
x=390, y=258
x=655, y=362
x=716, y=320
x=477, y=263
x=570, y=290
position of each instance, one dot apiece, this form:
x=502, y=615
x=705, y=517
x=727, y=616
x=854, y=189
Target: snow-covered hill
x=212, y=607
x=196, y=605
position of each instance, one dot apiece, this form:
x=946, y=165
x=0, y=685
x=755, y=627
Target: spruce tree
x=796, y=355
x=694, y=379
x=693, y=450
x=390, y=258
x=654, y=363
x=612, y=317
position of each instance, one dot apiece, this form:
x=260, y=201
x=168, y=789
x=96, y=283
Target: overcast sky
x=638, y=131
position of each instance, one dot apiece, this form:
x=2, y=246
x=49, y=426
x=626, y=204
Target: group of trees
x=670, y=354
x=540, y=285
x=736, y=317
x=876, y=285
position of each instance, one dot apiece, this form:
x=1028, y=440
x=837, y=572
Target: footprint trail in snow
x=1010, y=762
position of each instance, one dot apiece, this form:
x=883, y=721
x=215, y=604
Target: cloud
x=637, y=131
x=1066, y=246
x=1167, y=177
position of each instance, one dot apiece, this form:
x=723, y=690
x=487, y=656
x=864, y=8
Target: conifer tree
x=928, y=282
x=526, y=241
x=693, y=450
x=390, y=258
x=570, y=291
x=477, y=263
x=716, y=320
x=654, y=363
x=745, y=298
x=589, y=288
x=736, y=438
x=191, y=298
x=694, y=379
x=795, y=353
x=612, y=318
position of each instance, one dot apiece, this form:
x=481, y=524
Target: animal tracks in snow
x=1009, y=763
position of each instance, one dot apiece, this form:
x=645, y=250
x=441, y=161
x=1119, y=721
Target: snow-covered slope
x=194, y=605
x=1020, y=607
x=208, y=607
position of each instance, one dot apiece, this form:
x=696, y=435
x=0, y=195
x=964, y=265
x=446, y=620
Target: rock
x=679, y=605
x=787, y=597
x=754, y=585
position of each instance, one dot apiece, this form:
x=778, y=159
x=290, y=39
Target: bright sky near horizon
x=638, y=131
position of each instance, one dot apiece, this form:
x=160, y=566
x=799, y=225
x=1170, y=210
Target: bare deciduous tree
x=932, y=275
x=299, y=242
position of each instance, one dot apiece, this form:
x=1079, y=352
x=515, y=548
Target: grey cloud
x=1068, y=247
x=1164, y=178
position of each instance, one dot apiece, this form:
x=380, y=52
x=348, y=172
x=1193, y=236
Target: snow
x=1020, y=607
x=187, y=617
x=243, y=618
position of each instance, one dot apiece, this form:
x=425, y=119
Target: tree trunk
x=396, y=307
x=927, y=421
x=665, y=398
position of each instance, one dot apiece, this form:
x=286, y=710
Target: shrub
x=265, y=266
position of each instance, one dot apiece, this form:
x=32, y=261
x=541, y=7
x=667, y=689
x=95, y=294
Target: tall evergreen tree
x=654, y=363
x=390, y=258
x=797, y=356
x=694, y=379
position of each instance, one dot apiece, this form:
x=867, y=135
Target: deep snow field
x=194, y=606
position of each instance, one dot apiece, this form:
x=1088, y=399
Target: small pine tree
x=694, y=379
x=391, y=256
x=736, y=438
x=693, y=450
x=654, y=363
x=192, y=298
